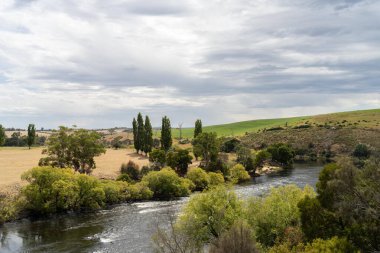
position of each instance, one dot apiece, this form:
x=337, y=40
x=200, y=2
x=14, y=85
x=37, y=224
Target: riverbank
x=124, y=226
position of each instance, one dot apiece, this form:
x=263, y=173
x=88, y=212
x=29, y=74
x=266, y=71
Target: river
x=125, y=227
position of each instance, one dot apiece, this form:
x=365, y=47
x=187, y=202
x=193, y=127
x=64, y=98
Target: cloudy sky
x=96, y=63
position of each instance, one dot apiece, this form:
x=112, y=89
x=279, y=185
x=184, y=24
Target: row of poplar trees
x=142, y=134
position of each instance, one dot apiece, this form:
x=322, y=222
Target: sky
x=96, y=63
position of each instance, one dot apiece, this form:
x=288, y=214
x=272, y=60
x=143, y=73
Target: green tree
x=148, y=140
x=179, y=160
x=158, y=157
x=281, y=153
x=198, y=128
x=272, y=215
x=2, y=135
x=239, y=174
x=31, y=135
x=207, y=215
x=166, y=134
x=166, y=184
x=140, y=132
x=135, y=139
x=245, y=157
x=199, y=177
x=73, y=149
x=207, y=145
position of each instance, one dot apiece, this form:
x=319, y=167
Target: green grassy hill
x=361, y=119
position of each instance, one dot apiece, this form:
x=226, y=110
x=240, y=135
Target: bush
x=238, y=174
x=215, y=178
x=166, y=184
x=281, y=153
x=53, y=190
x=207, y=215
x=261, y=157
x=158, y=157
x=199, y=177
x=238, y=239
x=124, y=177
x=131, y=169
x=179, y=160
x=272, y=215
x=361, y=151
x=333, y=245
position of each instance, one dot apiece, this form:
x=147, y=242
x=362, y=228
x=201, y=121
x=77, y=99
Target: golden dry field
x=16, y=160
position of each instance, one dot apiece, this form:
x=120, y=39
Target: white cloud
x=92, y=61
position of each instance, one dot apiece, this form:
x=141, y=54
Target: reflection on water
x=126, y=227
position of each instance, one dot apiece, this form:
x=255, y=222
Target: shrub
x=145, y=170
x=53, y=190
x=281, y=153
x=131, y=169
x=272, y=215
x=238, y=174
x=179, y=160
x=207, y=215
x=245, y=157
x=199, y=177
x=361, y=151
x=238, y=239
x=333, y=245
x=166, y=184
x=215, y=178
x=261, y=157
x=158, y=157
x=124, y=177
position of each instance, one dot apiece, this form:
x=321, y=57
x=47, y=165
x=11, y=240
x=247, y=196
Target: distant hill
x=353, y=119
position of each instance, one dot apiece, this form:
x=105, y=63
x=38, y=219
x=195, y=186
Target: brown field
x=16, y=160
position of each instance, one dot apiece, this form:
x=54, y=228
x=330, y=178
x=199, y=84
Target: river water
x=125, y=227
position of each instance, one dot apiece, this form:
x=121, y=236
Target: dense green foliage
x=261, y=157
x=245, y=157
x=209, y=214
x=238, y=239
x=362, y=151
x=136, y=143
x=73, y=149
x=199, y=177
x=347, y=205
x=166, y=184
x=140, y=138
x=179, y=160
x=207, y=146
x=131, y=169
x=197, y=128
x=148, y=138
x=272, y=215
x=31, y=135
x=158, y=157
x=52, y=190
x=215, y=178
x=281, y=153
x=166, y=134
x=238, y=174
x=2, y=135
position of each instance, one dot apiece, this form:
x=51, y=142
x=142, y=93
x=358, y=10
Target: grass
x=363, y=118
x=16, y=160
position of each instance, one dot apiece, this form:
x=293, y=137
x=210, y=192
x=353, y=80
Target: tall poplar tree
x=31, y=135
x=166, y=134
x=198, y=128
x=140, y=132
x=135, y=141
x=2, y=135
x=148, y=140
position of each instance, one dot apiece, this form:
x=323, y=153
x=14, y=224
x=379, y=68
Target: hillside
x=359, y=119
